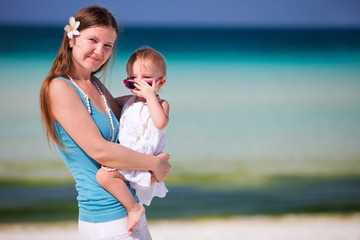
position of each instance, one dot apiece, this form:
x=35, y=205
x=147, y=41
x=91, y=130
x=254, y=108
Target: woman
x=80, y=116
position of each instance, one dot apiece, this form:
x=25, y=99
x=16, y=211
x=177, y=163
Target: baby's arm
x=159, y=110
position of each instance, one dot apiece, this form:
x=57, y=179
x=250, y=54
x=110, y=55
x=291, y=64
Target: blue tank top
x=95, y=203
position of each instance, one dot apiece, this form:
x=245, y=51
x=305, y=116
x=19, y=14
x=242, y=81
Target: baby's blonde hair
x=145, y=53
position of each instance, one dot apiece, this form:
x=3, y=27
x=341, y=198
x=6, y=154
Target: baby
x=142, y=128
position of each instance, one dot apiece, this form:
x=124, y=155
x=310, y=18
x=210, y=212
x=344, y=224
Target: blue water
x=289, y=195
x=234, y=93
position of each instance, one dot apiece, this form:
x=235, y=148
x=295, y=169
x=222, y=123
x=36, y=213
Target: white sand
x=307, y=227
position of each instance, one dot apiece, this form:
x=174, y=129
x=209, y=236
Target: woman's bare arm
x=70, y=112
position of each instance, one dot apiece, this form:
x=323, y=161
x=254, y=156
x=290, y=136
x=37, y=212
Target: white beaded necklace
x=107, y=109
x=123, y=116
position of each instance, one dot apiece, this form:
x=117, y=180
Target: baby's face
x=145, y=71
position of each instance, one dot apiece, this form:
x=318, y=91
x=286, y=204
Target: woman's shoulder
x=123, y=100
x=60, y=87
x=59, y=83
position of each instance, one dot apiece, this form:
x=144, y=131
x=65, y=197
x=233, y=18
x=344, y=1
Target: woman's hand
x=163, y=167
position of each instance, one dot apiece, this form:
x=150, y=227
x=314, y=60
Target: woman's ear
x=71, y=42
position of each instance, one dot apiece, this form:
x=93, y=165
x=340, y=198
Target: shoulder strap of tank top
x=67, y=80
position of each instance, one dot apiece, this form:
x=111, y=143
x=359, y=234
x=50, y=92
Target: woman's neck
x=80, y=75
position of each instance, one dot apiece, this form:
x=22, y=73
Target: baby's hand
x=144, y=89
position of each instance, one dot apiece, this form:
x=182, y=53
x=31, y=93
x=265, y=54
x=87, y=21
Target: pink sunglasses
x=130, y=83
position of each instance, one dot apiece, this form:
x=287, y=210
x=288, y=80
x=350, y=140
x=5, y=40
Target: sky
x=191, y=13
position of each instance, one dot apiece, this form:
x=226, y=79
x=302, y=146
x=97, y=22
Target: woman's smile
x=95, y=59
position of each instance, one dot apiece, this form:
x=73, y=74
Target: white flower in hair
x=71, y=28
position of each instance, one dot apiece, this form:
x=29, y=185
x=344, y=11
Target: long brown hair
x=63, y=64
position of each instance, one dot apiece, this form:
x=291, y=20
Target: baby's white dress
x=152, y=141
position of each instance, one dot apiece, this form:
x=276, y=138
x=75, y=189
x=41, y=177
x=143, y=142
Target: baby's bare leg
x=114, y=183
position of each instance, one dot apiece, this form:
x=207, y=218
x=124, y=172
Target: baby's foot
x=134, y=216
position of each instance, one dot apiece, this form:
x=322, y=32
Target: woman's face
x=92, y=48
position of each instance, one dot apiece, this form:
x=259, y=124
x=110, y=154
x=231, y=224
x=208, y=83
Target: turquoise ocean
x=284, y=101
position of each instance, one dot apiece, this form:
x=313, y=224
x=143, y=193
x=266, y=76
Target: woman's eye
x=108, y=46
x=92, y=39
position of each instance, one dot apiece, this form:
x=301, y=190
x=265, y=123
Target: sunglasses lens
x=130, y=84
